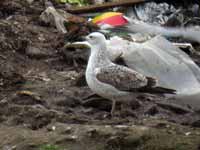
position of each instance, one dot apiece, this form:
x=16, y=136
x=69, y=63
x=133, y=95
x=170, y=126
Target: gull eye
x=91, y=37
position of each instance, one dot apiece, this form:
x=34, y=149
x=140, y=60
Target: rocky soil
x=44, y=103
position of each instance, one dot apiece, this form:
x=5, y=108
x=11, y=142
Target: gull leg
x=113, y=108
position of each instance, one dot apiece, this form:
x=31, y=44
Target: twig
x=99, y=7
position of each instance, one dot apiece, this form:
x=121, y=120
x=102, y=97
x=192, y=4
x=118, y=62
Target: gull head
x=96, y=38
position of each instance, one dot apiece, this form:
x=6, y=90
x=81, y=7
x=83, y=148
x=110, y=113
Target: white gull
x=112, y=81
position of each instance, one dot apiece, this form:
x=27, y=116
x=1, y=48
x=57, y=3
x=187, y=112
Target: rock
x=98, y=102
x=135, y=104
x=27, y=98
x=67, y=101
x=30, y=1
x=35, y=52
x=196, y=123
x=9, y=75
x=152, y=110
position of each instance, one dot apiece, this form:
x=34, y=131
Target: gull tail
x=152, y=88
x=157, y=90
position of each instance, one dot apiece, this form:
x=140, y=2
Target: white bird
x=135, y=26
x=113, y=81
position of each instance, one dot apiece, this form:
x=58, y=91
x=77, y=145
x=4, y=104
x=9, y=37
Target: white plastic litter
x=161, y=59
x=152, y=12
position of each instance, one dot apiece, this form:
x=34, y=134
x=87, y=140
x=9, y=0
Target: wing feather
x=121, y=77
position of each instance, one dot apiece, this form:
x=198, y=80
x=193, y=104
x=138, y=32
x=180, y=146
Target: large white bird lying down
x=161, y=59
x=135, y=26
x=113, y=81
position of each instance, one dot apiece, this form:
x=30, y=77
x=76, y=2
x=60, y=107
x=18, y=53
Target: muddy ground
x=43, y=97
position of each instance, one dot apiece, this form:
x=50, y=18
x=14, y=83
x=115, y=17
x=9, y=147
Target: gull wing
x=125, y=79
x=120, y=77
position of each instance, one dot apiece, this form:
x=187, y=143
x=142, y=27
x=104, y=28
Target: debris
x=73, y=26
x=185, y=47
x=110, y=18
x=27, y=98
x=52, y=128
x=188, y=33
x=164, y=13
x=51, y=16
x=152, y=12
x=29, y=93
x=99, y=7
x=174, y=107
x=188, y=133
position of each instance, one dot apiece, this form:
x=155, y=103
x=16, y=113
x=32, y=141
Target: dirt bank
x=42, y=93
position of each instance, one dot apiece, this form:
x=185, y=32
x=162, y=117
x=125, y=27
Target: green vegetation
x=76, y=2
x=50, y=147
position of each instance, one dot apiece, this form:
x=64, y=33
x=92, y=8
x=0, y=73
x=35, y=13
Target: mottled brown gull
x=113, y=81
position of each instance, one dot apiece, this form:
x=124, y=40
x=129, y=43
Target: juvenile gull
x=113, y=81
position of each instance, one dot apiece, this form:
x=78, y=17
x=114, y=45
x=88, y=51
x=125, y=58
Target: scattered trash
x=188, y=33
x=164, y=13
x=135, y=26
x=29, y=93
x=185, y=47
x=111, y=19
x=52, y=17
x=158, y=13
x=73, y=26
x=188, y=133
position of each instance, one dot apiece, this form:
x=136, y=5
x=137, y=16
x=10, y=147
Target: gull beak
x=87, y=38
x=83, y=44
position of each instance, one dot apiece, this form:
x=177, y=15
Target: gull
x=112, y=81
x=136, y=26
